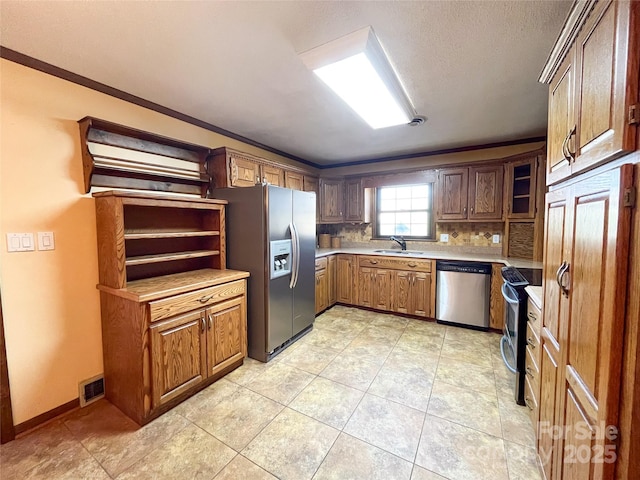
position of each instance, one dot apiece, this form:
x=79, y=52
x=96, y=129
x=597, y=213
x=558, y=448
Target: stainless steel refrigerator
x=271, y=234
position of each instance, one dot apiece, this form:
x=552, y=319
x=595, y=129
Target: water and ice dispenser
x=280, y=258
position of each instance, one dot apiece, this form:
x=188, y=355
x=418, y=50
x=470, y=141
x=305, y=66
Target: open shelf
x=143, y=236
x=169, y=257
x=150, y=235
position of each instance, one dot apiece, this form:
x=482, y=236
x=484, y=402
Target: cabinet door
x=381, y=289
x=561, y=120
x=452, y=194
x=485, y=193
x=607, y=86
x=555, y=312
x=331, y=201
x=402, y=291
x=496, y=300
x=547, y=405
x=421, y=294
x=178, y=360
x=244, y=172
x=354, y=201
x=226, y=333
x=598, y=231
x=272, y=175
x=365, y=287
x=321, y=290
x=520, y=183
x=293, y=180
x=331, y=281
x=311, y=184
x=345, y=279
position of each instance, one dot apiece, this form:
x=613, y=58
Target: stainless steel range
x=513, y=343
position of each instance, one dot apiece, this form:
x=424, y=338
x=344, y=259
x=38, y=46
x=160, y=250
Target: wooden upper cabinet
x=231, y=168
x=561, y=120
x=520, y=187
x=485, y=193
x=312, y=184
x=272, y=175
x=293, y=180
x=452, y=194
x=357, y=202
x=593, y=96
x=470, y=193
x=331, y=200
x=243, y=172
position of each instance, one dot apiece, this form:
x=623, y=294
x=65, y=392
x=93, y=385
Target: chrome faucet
x=401, y=241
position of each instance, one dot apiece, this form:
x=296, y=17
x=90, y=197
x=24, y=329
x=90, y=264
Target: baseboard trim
x=46, y=416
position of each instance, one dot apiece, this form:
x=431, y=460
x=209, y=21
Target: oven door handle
x=507, y=297
x=504, y=356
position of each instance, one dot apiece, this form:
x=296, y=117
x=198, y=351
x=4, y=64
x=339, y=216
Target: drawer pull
x=529, y=372
x=527, y=402
x=205, y=299
x=373, y=262
x=531, y=343
x=411, y=264
x=532, y=317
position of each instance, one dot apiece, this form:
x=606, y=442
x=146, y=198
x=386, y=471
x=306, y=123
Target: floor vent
x=91, y=390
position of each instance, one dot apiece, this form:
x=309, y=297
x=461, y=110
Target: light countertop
x=436, y=255
x=535, y=294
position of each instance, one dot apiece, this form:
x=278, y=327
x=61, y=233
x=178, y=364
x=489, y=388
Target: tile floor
x=363, y=396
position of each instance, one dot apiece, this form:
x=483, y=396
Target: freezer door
x=304, y=220
x=280, y=295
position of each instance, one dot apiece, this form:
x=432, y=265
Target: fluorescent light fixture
x=356, y=68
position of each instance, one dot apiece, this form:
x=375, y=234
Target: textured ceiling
x=471, y=67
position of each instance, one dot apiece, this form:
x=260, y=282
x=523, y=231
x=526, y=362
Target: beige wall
x=50, y=303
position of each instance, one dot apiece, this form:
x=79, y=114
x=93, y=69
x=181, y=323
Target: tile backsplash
x=467, y=237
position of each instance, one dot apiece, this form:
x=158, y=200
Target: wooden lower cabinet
x=160, y=349
x=346, y=277
x=322, y=301
x=412, y=293
x=332, y=278
x=326, y=282
x=383, y=284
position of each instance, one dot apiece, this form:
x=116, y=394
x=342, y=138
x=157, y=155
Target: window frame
x=375, y=235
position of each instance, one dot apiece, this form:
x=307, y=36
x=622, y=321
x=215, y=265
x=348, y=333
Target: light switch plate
x=444, y=237
x=496, y=238
x=20, y=242
x=46, y=241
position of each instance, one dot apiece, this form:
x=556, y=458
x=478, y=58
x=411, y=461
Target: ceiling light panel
x=356, y=68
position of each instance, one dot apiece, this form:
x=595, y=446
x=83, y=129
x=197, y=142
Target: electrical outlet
x=496, y=238
x=444, y=237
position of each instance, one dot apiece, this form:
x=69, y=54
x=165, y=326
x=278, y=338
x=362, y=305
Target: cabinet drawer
x=534, y=317
x=532, y=372
x=321, y=263
x=167, y=307
x=410, y=264
x=531, y=403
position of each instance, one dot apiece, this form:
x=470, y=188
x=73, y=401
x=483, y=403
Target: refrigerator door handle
x=296, y=253
x=294, y=256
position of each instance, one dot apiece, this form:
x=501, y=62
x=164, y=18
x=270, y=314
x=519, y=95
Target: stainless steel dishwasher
x=462, y=293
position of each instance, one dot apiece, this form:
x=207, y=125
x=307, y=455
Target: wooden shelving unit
x=144, y=235
x=173, y=316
